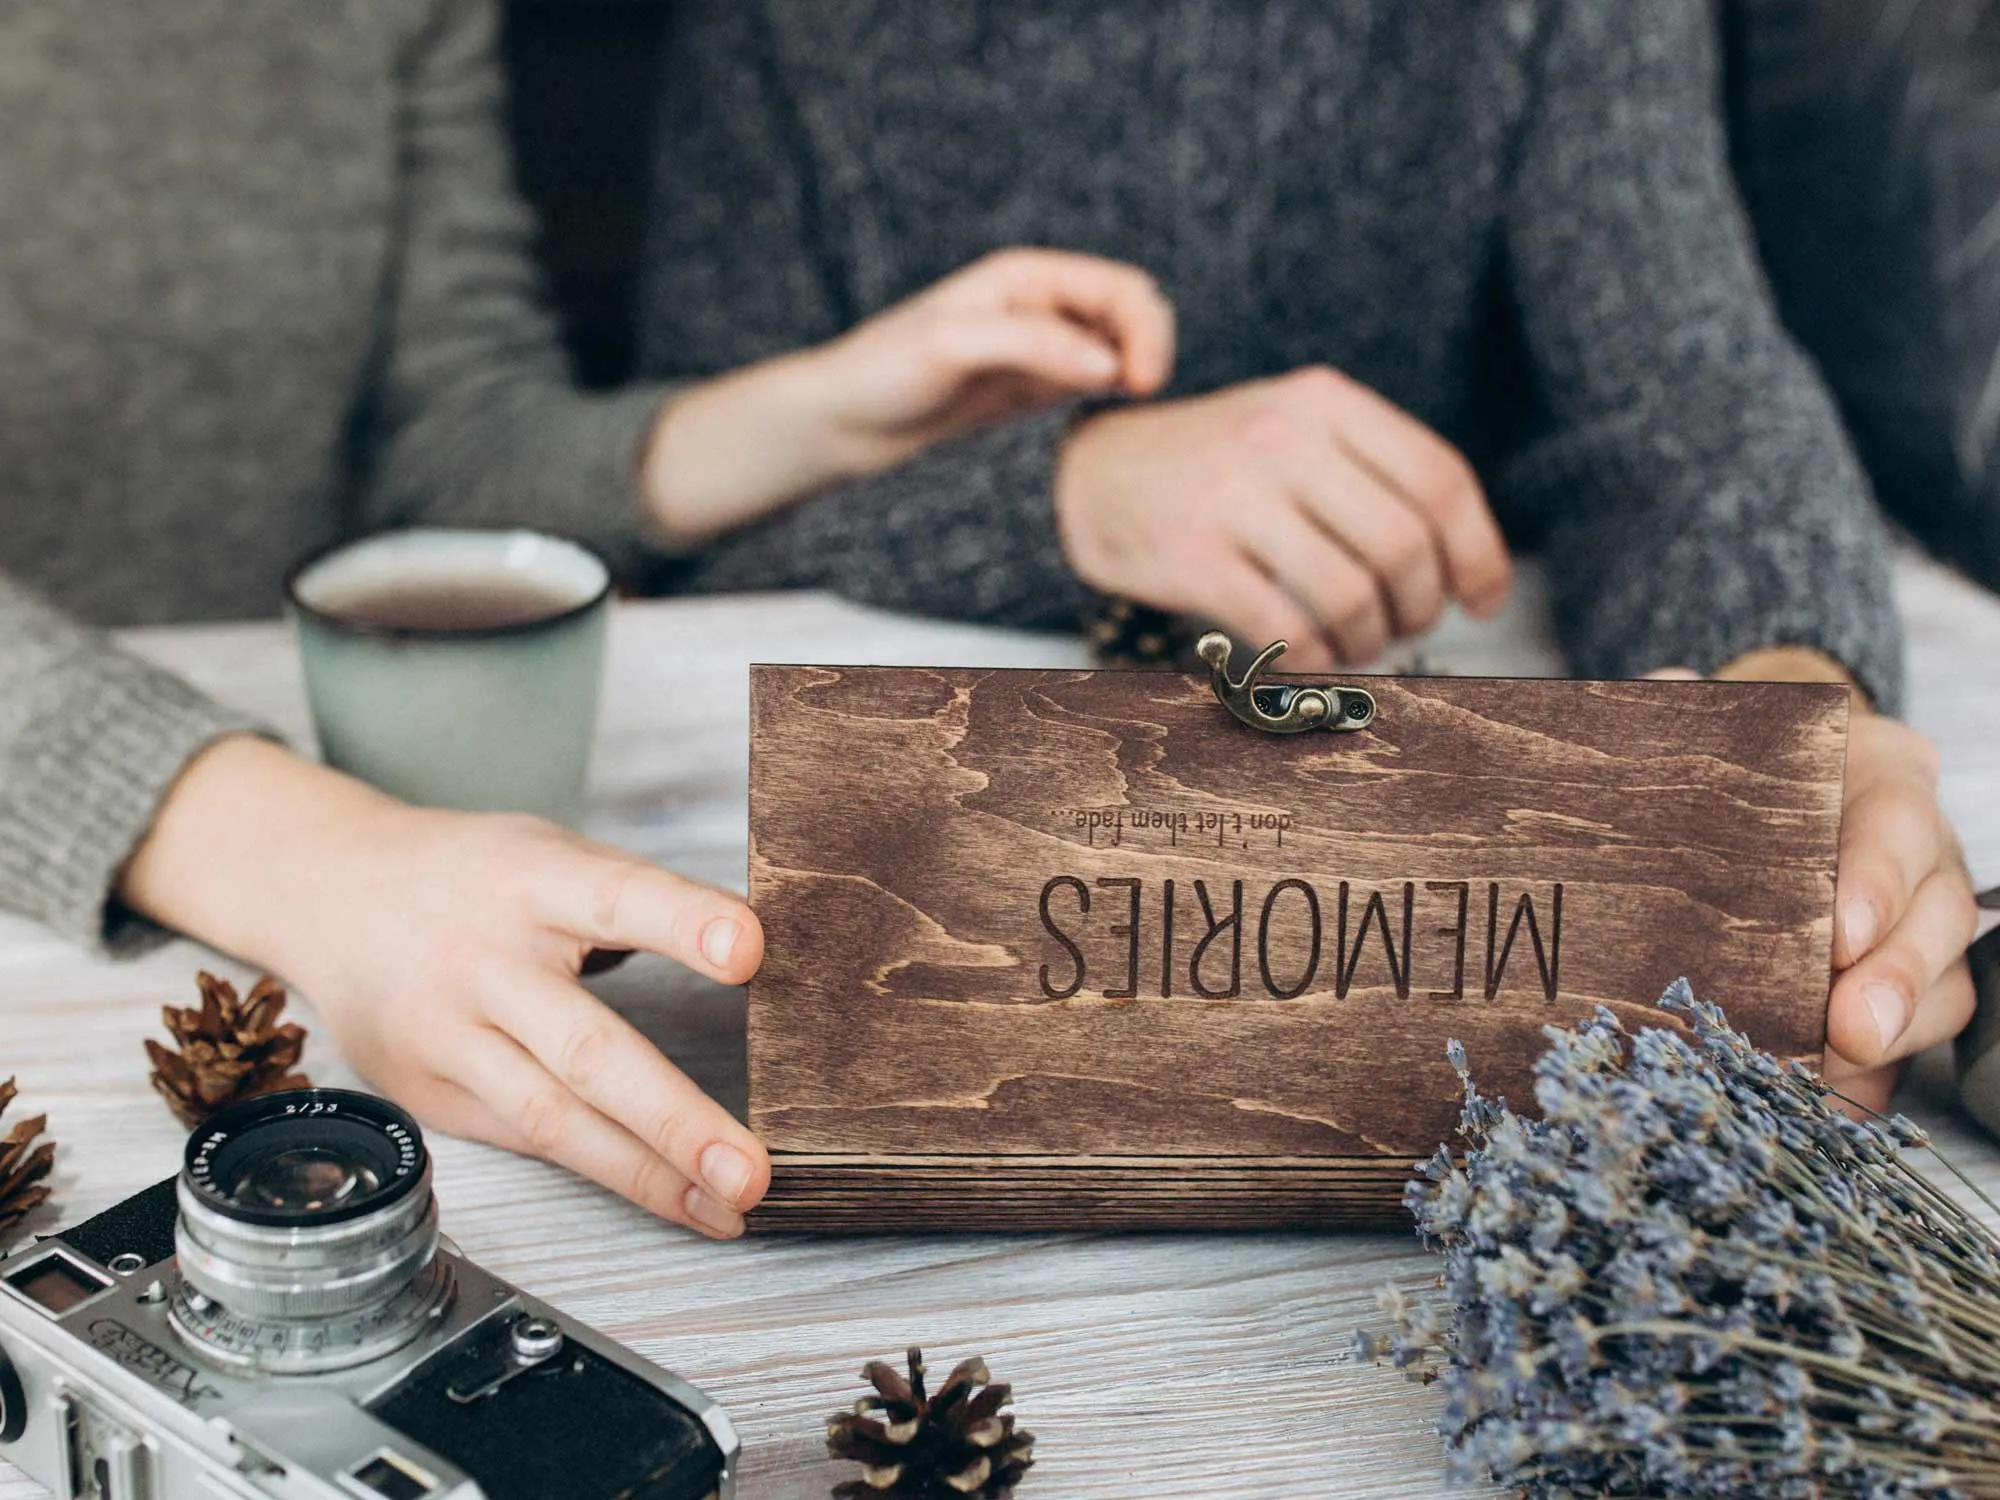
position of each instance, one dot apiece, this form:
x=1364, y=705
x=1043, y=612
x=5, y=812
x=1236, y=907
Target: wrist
x=240, y=843
x=799, y=399
x=1078, y=474
x=727, y=450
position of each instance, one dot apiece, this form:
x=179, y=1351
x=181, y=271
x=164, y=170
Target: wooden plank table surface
x=1147, y=1366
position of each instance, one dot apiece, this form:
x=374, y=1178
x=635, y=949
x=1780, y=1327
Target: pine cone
x=953, y=1444
x=23, y=1164
x=230, y=1049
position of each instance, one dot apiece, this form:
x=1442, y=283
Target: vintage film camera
x=299, y=1329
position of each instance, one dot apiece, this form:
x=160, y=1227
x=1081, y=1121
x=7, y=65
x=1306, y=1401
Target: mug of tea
x=456, y=668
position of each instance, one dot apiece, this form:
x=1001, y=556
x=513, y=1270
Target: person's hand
x=1305, y=507
x=1903, y=899
x=1012, y=332
x=442, y=951
x=1904, y=914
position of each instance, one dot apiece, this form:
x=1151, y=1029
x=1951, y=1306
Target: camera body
x=357, y=1356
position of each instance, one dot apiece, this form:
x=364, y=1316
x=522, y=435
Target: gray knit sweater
x=1374, y=184
x=263, y=281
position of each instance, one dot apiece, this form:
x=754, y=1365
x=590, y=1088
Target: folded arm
x=1703, y=499
x=965, y=529
x=474, y=419
x=1708, y=510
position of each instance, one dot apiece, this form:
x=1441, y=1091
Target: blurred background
x=1867, y=143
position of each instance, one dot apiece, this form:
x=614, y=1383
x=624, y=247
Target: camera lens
x=307, y=1235
x=305, y=1157
x=311, y=1178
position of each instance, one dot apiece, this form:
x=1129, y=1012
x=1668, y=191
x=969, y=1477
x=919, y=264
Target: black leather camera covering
x=579, y=1427
x=143, y=1225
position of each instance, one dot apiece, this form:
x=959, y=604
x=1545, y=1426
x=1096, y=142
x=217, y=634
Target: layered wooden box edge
x=834, y=1194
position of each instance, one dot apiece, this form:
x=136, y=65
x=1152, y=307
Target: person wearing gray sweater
x=1343, y=199
x=264, y=283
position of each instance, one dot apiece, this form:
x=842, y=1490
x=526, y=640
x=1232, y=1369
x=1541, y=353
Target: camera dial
x=307, y=1237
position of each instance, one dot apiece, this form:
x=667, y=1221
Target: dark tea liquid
x=478, y=602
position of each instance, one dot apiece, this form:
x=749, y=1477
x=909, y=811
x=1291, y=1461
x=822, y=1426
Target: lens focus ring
x=307, y=1235
x=262, y=1272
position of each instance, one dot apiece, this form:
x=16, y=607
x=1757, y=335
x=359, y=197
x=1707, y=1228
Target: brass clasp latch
x=1280, y=708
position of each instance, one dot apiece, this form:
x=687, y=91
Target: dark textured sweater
x=1513, y=217
x=263, y=281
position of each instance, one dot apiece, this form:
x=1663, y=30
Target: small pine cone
x=1124, y=634
x=943, y=1447
x=23, y=1164
x=230, y=1049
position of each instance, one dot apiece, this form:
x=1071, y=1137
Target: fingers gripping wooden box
x=1061, y=949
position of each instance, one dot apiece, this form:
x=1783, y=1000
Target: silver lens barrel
x=264, y=1272
x=307, y=1236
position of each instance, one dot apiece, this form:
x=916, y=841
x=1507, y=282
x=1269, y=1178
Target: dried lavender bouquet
x=1695, y=1276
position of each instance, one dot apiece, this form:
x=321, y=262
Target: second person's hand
x=442, y=951
x=1014, y=331
x=1905, y=914
x=1304, y=507
x=1904, y=908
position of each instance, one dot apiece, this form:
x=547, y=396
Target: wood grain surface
x=1070, y=920
x=1130, y=1352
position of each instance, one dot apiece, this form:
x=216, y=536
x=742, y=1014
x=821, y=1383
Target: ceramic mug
x=456, y=667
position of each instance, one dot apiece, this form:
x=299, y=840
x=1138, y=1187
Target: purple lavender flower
x=1694, y=1275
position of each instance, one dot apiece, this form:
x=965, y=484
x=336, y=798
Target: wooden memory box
x=1078, y=949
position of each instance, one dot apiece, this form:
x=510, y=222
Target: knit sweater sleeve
x=1704, y=500
x=735, y=273
x=91, y=740
x=965, y=530
x=474, y=419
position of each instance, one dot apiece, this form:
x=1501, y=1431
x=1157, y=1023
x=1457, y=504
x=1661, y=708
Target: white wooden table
x=1155, y=1366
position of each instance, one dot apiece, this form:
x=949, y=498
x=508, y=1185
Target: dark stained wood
x=942, y=1036
x=870, y=1194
